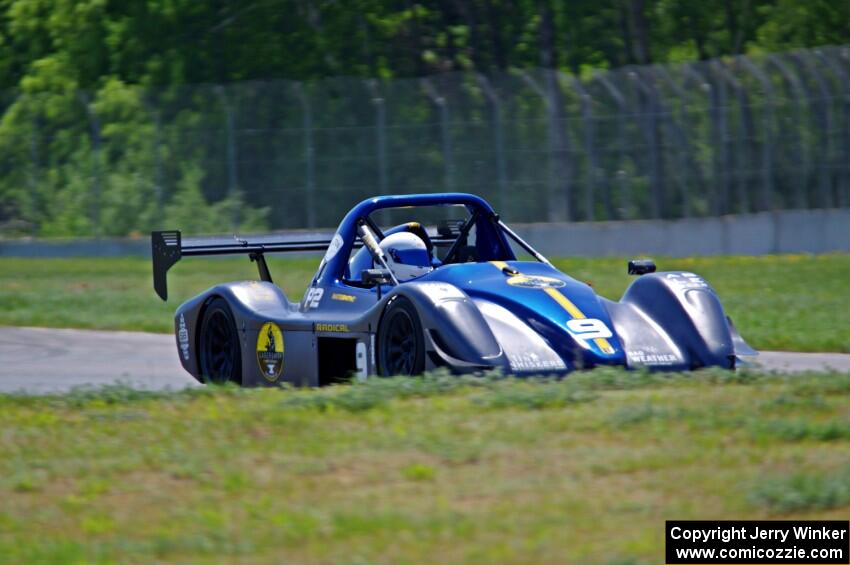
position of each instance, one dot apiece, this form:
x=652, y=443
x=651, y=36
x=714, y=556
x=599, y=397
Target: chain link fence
x=728, y=136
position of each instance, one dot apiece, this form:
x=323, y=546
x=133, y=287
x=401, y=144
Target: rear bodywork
x=494, y=313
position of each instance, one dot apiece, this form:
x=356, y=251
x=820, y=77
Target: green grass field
x=787, y=302
x=437, y=469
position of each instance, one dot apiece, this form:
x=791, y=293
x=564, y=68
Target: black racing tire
x=401, y=342
x=219, y=353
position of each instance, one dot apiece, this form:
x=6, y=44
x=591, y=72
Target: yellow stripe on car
x=565, y=303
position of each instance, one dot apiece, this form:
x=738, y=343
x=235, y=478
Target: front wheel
x=401, y=344
x=220, y=354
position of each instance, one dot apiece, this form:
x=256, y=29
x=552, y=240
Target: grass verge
x=785, y=302
x=417, y=470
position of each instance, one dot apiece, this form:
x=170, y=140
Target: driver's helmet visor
x=418, y=257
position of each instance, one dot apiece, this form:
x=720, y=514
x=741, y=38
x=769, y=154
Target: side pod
x=689, y=311
x=456, y=329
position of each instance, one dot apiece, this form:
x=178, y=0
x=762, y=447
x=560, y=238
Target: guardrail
x=787, y=231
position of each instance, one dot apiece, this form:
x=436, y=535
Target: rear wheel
x=220, y=354
x=401, y=345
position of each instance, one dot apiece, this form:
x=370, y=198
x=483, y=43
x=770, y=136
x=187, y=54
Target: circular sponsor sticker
x=270, y=351
x=534, y=281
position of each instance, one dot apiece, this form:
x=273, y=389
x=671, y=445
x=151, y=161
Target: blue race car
x=394, y=297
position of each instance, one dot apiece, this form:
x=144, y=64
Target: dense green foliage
x=104, y=130
x=433, y=469
x=68, y=44
x=786, y=302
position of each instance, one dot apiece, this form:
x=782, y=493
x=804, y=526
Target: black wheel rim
x=219, y=349
x=400, y=347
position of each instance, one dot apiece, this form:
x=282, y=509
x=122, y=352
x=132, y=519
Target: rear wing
x=168, y=247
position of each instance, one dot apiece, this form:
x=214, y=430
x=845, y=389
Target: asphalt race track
x=45, y=360
x=42, y=360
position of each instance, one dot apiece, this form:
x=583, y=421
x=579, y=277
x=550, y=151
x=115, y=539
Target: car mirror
x=641, y=266
x=371, y=277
